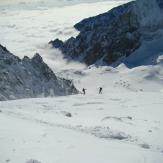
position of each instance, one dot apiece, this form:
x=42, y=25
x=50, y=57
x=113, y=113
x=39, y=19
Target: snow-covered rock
x=115, y=35
x=29, y=78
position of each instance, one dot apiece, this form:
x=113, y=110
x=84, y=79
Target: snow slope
x=124, y=124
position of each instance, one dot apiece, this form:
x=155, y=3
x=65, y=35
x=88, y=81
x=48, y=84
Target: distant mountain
x=29, y=78
x=114, y=35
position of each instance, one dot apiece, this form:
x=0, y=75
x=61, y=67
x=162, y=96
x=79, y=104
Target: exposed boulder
x=29, y=78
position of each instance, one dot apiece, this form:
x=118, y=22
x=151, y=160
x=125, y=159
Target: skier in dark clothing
x=100, y=90
x=84, y=90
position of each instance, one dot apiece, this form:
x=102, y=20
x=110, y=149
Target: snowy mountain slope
x=125, y=121
x=29, y=78
x=124, y=124
x=65, y=146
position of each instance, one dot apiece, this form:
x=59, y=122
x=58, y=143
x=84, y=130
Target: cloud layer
x=25, y=32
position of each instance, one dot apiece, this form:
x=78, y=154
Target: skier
x=100, y=90
x=84, y=90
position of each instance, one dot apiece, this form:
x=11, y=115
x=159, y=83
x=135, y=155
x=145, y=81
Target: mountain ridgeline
x=116, y=34
x=29, y=78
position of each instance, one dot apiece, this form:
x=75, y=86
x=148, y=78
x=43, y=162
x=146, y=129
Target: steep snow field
x=124, y=124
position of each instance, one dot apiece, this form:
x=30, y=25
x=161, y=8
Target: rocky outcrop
x=105, y=38
x=56, y=43
x=29, y=78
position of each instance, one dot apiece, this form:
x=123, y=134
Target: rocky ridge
x=109, y=37
x=29, y=78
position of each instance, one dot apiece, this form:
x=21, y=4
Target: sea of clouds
x=26, y=27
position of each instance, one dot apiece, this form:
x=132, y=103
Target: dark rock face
x=160, y=3
x=102, y=20
x=56, y=43
x=104, y=38
x=28, y=78
x=112, y=36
